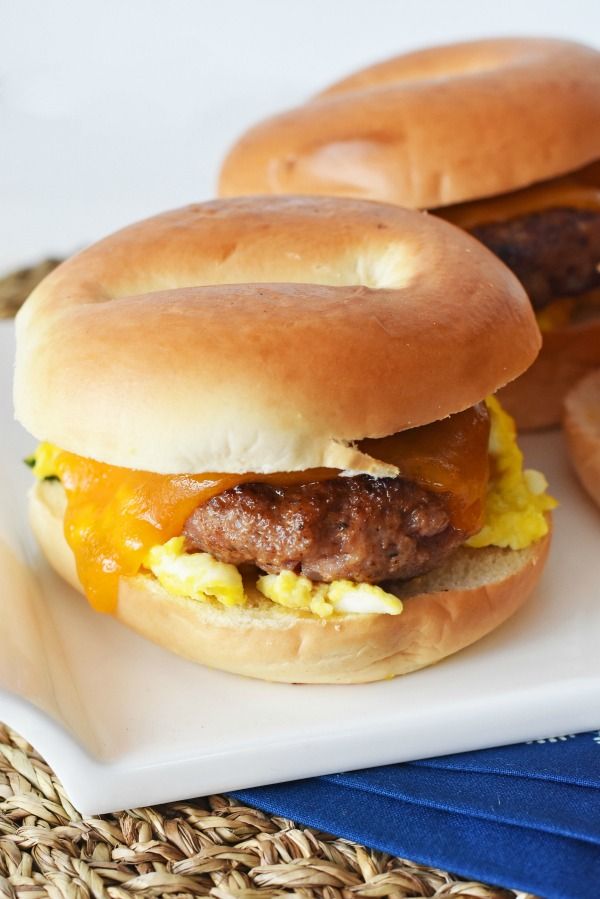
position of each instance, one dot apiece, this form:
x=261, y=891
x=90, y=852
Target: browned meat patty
x=555, y=253
x=359, y=528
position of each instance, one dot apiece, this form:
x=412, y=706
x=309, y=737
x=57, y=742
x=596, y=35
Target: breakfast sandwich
x=271, y=444
x=501, y=137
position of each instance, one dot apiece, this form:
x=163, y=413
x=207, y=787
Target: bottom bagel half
x=444, y=611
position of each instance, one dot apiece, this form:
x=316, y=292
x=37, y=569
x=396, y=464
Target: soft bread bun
x=535, y=400
x=582, y=430
x=266, y=334
x=444, y=611
x=433, y=127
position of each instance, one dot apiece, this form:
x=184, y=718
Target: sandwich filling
x=326, y=540
x=549, y=235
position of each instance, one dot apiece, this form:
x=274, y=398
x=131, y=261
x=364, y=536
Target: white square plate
x=125, y=723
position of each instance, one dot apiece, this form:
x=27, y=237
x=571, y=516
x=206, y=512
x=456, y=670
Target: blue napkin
x=524, y=816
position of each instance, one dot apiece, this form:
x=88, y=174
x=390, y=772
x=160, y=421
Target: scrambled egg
x=199, y=575
x=514, y=517
x=196, y=575
x=516, y=499
x=296, y=592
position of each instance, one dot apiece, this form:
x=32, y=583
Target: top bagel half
x=433, y=127
x=266, y=335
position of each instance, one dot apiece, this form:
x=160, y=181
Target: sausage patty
x=360, y=528
x=555, y=253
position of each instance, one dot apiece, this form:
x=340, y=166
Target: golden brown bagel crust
x=443, y=612
x=266, y=334
x=535, y=400
x=433, y=127
x=582, y=430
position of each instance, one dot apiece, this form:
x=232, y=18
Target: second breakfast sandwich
x=495, y=135
x=270, y=443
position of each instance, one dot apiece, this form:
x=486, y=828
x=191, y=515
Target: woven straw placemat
x=205, y=847
x=16, y=286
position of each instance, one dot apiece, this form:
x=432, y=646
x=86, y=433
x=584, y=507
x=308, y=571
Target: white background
x=111, y=110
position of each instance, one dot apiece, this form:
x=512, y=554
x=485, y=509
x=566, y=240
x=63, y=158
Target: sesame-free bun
x=582, y=429
x=445, y=126
x=535, y=400
x=266, y=334
x=444, y=611
x=433, y=127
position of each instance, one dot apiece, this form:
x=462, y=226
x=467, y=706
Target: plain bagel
x=581, y=421
x=301, y=297
x=535, y=400
x=433, y=127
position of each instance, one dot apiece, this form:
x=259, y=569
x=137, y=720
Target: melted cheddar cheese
x=120, y=521
x=569, y=311
x=448, y=456
x=577, y=190
x=115, y=515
